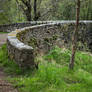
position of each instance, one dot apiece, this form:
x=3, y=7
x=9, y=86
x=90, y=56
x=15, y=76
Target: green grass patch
x=4, y=32
x=53, y=74
x=9, y=66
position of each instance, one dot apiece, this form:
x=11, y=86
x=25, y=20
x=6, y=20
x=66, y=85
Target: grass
x=9, y=66
x=3, y=32
x=53, y=74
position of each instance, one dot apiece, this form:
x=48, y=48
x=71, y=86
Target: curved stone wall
x=60, y=33
x=14, y=26
x=18, y=51
x=25, y=43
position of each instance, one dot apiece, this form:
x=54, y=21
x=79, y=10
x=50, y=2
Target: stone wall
x=25, y=43
x=18, y=51
x=12, y=27
x=44, y=37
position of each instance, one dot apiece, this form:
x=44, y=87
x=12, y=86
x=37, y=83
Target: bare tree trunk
x=28, y=13
x=26, y=6
x=37, y=13
x=75, y=36
x=35, y=10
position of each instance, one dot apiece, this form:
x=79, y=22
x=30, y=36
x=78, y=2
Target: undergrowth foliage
x=53, y=74
x=9, y=65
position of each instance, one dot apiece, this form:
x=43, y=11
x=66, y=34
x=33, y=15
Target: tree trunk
x=29, y=10
x=28, y=14
x=75, y=36
x=26, y=6
x=35, y=10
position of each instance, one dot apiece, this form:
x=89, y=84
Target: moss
x=20, y=34
x=46, y=39
x=50, y=39
x=24, y=32
x=55, y=37
x=33, y=42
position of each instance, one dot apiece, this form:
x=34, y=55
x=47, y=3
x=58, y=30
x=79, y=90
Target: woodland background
x=12, y=11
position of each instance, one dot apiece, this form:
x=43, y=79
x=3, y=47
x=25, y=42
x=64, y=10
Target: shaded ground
x=4, y=85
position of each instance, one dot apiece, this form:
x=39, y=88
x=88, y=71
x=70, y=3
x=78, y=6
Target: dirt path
x=3, y=38
x=4, y=85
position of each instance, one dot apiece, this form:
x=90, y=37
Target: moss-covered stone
x=55, y=37
x=32, y=42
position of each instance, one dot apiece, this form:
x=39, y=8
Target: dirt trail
x=4, y=85
x=3, y=38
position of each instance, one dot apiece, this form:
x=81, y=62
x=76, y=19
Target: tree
x=35, y=10
x=25, y=5
x=75, y=36
x=30, y=8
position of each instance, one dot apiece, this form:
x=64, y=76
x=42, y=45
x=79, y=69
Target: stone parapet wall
x=23, y=44
x=18, y=51
x=44, y=37
x=12, y=27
